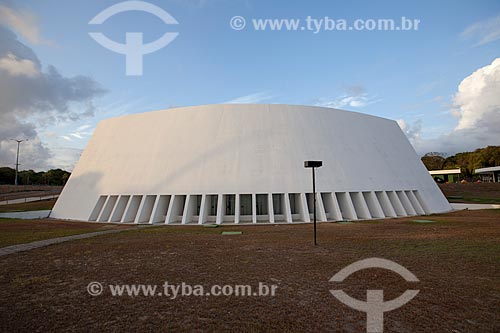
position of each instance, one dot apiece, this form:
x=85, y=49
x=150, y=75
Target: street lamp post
x=313, y=165
x=17, y=158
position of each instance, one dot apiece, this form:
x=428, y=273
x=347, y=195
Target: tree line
x=56, y=177
x=466, y=161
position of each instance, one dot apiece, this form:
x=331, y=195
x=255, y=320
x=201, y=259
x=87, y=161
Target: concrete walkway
x=29, y=199
x=470, y=206
x=35, y=245
x=28, y=215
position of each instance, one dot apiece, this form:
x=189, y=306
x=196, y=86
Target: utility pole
x=17, y=158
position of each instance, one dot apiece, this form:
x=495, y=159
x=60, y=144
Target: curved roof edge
x=251, y=104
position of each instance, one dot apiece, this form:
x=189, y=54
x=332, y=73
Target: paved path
x=29, y=199
x=460, y=206
x=28, y=215
x=34, y=245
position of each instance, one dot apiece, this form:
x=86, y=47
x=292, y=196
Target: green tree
x=29, y=177
x=7, y=175
x=433, y=161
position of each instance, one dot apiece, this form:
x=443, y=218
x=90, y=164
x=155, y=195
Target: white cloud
x=33, y=154
x=18, y=67
x=402, y=124
x=354, y=97
x=252, y=98
x=483, y=32
x=32, y=98
x=477, y=102
x=477, y=107
x=83, y=127
x=23, y=22
x=65, y=157
x=79, y=133
x=346, y=101
x=413, y=131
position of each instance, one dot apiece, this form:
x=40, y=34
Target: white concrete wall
x=246, y=149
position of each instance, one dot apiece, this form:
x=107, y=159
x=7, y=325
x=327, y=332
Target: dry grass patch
x=456, y=260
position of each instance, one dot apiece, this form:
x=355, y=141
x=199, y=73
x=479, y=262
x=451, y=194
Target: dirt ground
x=455, y=258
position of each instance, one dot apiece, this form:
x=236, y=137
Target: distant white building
x=244, y=164
x=491, y=174
x=451, y=175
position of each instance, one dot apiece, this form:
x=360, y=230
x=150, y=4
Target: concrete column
x=270, y=207
x=406, y=203
x=346, y=206
x=414, y=202
x=145, y=209
x=171, y=207
x=331, y=204
x=119, y=210
x=204, y=207
x=133, y=208
x=304, y=211
x=254, y=208
x=422, y=202
x=360, y=206
x=320, y=208
x=189, y=208
x=396, y=203
x=286, y=207
x=385, y=204
x=373, y=204
x=97, y=208
x=220, y=209
x=108, y=208
x=236, y=208
x=159, y=208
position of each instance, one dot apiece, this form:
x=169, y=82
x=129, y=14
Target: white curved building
x=245, y=164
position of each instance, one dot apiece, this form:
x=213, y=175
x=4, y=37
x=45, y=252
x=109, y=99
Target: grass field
x=480, y=193
x=456, y=258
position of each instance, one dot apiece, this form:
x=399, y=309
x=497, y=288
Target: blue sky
x=410, y=76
